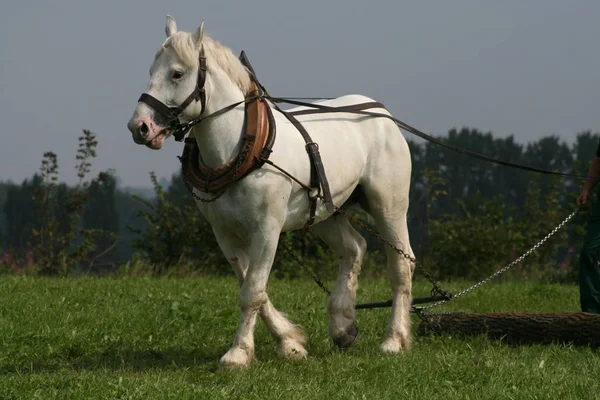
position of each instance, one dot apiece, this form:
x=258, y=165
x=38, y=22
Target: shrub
x=176, y=237
x=487, y=235
x=58, y=242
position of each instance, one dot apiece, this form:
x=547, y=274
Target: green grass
x=146, y=338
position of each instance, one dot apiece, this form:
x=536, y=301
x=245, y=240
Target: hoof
x=395, y=346
x=292, y=350
x=390, y=347
x=235, y=359
x=346, y=339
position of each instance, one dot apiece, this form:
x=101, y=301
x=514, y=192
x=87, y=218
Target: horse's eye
x=176, y=75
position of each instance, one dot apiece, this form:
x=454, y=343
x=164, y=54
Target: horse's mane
x=216, y=55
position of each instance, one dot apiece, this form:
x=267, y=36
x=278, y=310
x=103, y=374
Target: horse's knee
x=251, y=300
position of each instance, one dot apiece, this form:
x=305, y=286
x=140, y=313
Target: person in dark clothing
x=589, y=261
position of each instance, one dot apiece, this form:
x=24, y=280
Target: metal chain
x=305, y=268
x=420, y=311
x=195, y=196
x=436, y=288
x=507, y=267
x=241, y=159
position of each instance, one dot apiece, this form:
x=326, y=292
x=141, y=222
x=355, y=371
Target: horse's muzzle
x=143, y=129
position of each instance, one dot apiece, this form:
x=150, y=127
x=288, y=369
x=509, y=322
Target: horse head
x=175, y=92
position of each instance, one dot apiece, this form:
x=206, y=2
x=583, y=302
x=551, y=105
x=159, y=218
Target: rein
x=318, y=176
x=320, y=108
x=183, y=128
x=360, y=109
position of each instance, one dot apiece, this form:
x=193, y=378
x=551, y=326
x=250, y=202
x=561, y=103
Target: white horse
x=365, y=156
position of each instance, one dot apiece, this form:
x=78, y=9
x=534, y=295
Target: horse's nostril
x=143, y=129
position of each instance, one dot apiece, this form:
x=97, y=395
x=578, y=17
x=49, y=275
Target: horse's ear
x=171, y=26
x=199, y=33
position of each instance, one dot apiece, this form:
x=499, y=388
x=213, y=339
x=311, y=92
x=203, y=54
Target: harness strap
x=349, y=108
x=246, y=62
x=318, y=179
x=321, y=108
x=317, y=170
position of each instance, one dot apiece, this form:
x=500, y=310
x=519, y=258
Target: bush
x=487, y=235
x=58, y=241
x=178, y=238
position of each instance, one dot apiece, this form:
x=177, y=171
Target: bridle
x=171, y=114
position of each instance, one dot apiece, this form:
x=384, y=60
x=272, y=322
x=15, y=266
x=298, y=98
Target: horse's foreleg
x=254, y=299
x=290, y=338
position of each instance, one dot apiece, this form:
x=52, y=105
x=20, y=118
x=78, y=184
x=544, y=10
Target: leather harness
x=257, y=141
x=256, y=146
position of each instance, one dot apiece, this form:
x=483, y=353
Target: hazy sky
x=528, y=68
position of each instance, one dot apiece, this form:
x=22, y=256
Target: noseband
x=171, y=114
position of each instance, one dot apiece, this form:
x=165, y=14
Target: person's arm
x=590, y=183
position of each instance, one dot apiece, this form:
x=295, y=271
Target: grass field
x=143, y=338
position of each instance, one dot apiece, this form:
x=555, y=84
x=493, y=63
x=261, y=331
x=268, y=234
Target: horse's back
x=355, y=149
x=354, y=137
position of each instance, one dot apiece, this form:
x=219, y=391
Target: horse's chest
x=240, y=213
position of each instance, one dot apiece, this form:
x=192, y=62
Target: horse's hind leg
x=400, y=270
x=350, y=247
x=388, y=206
x=290, y=338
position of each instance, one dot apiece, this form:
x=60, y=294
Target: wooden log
x=577, y=328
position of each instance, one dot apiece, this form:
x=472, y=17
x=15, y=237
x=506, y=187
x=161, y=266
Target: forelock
x=184, y=47
x=217, y=55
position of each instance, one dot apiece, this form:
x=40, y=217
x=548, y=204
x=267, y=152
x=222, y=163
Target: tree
x=19, y=213
x=102, y=215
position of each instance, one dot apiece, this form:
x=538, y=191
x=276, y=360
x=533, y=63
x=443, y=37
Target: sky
x=523, y=68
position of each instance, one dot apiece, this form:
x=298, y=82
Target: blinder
x=171, y=114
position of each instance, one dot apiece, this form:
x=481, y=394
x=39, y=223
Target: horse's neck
x=219, y=138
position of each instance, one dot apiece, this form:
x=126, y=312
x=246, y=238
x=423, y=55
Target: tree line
x=466, y=216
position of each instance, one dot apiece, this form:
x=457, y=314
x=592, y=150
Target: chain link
x=420, y=311
x=436, y=288
x=305, y=268
x=507, y=267
x=195, y=196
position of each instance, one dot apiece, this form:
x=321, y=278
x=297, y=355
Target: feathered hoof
x=292, y=350
x=235, y=358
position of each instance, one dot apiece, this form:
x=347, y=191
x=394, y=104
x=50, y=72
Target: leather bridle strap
x=168, y=113
x=171, y=114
